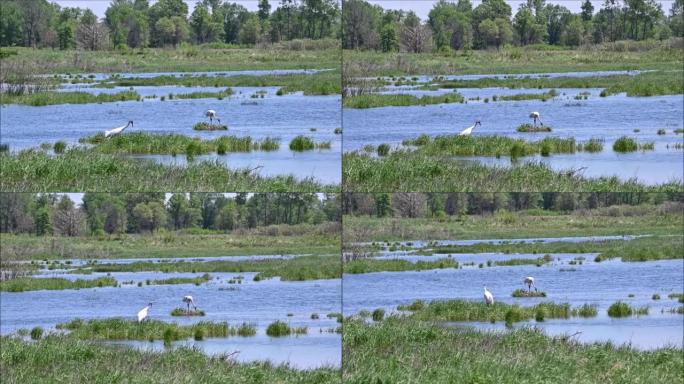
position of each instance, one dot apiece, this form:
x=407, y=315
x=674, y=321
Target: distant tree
x=68, y=219
x=11, y=24
x=587, y=10
x=409, y=205
x=383, y=205
x=91, y=35
x=264, y=10
x=150, y=216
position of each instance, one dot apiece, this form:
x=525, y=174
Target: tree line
x=419, y=205
x=115, y=213
x=136, y=24
x=456, y=25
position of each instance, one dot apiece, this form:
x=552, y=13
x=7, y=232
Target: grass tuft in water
x=123, y=329
x=202, y=126
x=620, y=309
x=524, y=293
x=531, y=128
x=378, y=314
x=22, y=284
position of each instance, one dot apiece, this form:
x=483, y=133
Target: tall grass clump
x=585, y=310
x=378, y=314
x=59, y=147
x=625, y=144
x=302, y=143
x=36, y=333
x=591, y=146
x=383, y=149
x=278, y=328
x=620, y=309
x=523, y=293
x=123, y=329
x=41, y=99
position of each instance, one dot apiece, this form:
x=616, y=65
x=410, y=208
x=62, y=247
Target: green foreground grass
x=403, y=171
x=404, y=350
x=296, y=269
x=662, y=219
x=65, y=359
x=272, y=240
x=85, y=170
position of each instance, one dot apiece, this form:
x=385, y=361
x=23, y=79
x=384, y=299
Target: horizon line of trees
x=457, y=25
x=422, y=205
x=117, y=213
x=136, y=24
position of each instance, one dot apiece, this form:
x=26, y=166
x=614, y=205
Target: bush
x=619, y=309
x=378, y=314
x=625, y=144
x=36, y=333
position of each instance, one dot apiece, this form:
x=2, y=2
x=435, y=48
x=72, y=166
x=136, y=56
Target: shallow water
x=604, y=118
x=259, y=303
x=425, y=79
x=477, y=258
x=148, y=75
x=567, y=239
x=594, y=283
x=80, y=262
x=283, y=117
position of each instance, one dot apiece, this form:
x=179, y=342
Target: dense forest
x=113, y=213
x=136, y=24
x=413, y=205
x=457, y=25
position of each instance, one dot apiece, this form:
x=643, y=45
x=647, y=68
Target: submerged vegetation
x=22, y=284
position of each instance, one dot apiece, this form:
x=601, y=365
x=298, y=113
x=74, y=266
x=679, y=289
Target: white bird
x=536, y=116
x=117, y=131
x=211, y=114
x=188, y=300
x=489, y=298
x=469, y=130
x=529, y=281
x=144, y=313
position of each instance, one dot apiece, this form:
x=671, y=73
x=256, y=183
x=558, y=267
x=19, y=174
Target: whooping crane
x=211, y=114
x=144, y=313
x=117, y=131
x=469, y=130
x=536, y=116
x=489, y=298
x=529, y=281
x=188, y=300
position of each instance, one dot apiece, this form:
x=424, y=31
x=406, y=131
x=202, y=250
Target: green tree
x=573, y=33
x=250, y=31
x=388, y=38
x=264, y=10
x=587, y=10
x=383, y=205
x=11, y=24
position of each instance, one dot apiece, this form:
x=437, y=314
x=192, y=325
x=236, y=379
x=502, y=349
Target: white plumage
x=536, y=116
x=489, y=298
x=189, y=300
x=211, y=114
x=469, y=130
x=529, y=281
x=144, y=313
x=117, y=131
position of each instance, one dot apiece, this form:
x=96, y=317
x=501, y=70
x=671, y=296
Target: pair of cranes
x=489, y=297
x=468, y=131
x=144, y=313
x=211, y=114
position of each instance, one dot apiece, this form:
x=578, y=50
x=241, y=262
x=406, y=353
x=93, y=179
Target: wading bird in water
x=489, y=298
x=211, y=114
x=469, y=130
x=117, y=131
x=144, y=313
x=188, y=300
x=535, y=116
x=529, y=281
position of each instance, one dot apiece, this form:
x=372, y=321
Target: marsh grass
x=22, y=284
x=399, y=100
x=381, y=352
x=203, y=95
x=368, y=265
x=140, y=143
x=300, y=268
x=185, y=312
x=202, y=126
x=86, y=169
x=528, y=96
x=463, y=310
x=378, y=314
x=73, y=361
x=626, y=144
x=402, y=171
x=620, y=309
x=40, y=99
x=182, y=280
x=527, y=127
x=456, y=145
x=524, y=293
x=304, y=143
x=123, y=329
x=280, y=328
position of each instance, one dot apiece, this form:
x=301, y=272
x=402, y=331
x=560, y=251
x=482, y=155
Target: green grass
x=454, y=145
x=321, y=84
x=401, y=171
x=620, y=309
x=626, y=144
x=651, y=219
x=525, y=293
x=40, y=99
x=139, y=143
x=209, y=127
x=464, y=310
x=183, y=280
x=87, y=170
x=122, y=329
x=399, y=100
x=403, y=350
x=270, y=240
x=184, y=312
x=202, y=95
x=296, y=269
x=22, y=284
x=67, y=360
x=378, y=314
x=280, y=328
x=303, y=143
x=609, y=56
x=318, y=54
x=528, y=96
x=368, y=265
